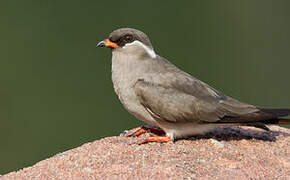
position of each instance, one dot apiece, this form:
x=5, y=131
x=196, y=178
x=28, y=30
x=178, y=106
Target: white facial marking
x=138, y=43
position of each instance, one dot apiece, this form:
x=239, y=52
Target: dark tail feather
x=276, y=112
x=276, y=116
x=265, y=116
x=257, y=125
x=283, y=121
x=269, y=116
x=262, y=124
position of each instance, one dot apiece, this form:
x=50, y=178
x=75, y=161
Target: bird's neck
x=126, y=70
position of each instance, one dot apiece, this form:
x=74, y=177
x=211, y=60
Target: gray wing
x=204, y=104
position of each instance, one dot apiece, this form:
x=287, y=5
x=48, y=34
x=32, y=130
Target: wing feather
x=176, y=105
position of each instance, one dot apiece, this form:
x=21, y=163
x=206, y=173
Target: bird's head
x=129, y=41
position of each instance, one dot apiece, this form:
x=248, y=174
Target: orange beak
x=107, y=43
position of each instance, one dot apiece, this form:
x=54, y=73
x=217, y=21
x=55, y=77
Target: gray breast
x=125, y=74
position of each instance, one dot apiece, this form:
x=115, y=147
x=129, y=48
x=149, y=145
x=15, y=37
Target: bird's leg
x=145, y=129
x=155, y=130
x=137, y=132
x=156, y=139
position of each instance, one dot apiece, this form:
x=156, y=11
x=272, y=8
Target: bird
x=160, y=94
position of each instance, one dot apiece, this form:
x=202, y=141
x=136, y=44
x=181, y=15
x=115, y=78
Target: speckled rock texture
x=226, y=153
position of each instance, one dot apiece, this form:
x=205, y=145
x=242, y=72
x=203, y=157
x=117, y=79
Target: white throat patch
x=149, y=51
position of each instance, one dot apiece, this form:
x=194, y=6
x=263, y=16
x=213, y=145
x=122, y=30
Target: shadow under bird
x=160, y=94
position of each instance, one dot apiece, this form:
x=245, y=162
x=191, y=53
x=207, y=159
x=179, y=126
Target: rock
x=217, y=143
x=227, y=153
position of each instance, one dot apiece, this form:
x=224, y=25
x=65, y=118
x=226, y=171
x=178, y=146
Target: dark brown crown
x=127, y=35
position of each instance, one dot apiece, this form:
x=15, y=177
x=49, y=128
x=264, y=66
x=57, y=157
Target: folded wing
x=176, y=105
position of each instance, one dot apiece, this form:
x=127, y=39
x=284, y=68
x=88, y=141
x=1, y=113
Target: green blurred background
x=55, y=85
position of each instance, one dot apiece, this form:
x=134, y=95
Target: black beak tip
x=101, y=44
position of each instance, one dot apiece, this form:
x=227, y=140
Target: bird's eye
x=128, y=38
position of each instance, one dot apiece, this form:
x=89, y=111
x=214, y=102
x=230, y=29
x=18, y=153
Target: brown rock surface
x=227, y=153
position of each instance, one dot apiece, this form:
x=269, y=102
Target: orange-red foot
x=137, y=132
x=143, y=130
x=156, y=139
